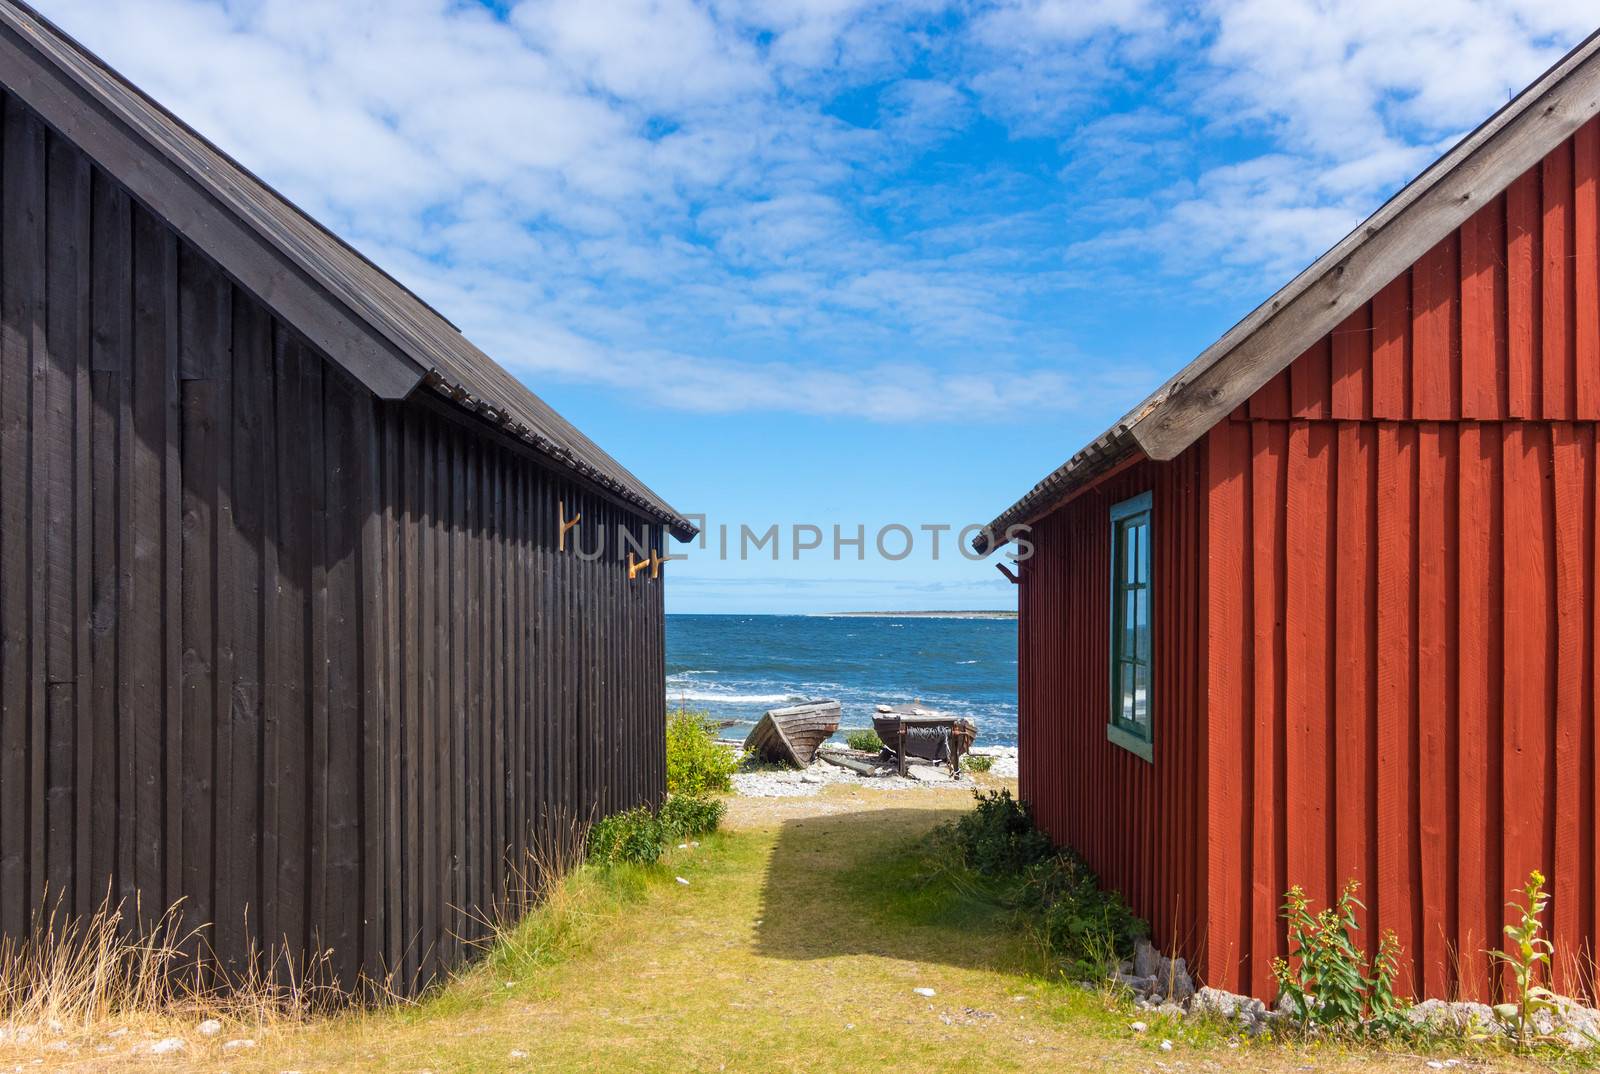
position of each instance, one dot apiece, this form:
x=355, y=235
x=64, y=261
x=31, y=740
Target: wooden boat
x=914, y=731
x=791, y=735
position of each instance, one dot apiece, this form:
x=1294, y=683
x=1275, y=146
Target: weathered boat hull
x=791, y=735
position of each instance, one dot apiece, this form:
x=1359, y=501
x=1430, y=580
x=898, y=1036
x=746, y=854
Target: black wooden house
x=290, y=625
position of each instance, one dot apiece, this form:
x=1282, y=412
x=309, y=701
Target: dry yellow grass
x=795, y=947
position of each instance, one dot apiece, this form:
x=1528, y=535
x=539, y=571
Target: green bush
x=1087, y=928
x=998, y=837
x=697, y=764
x=867, y=741
x=684, y=815
x=978, y=762
x=635, y=837
x=1055, y=894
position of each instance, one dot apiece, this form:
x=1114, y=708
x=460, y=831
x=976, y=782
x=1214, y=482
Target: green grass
x=795, y=947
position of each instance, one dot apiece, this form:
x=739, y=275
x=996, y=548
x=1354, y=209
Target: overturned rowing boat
x=791, y=735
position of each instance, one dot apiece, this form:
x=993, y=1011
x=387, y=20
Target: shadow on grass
x=867, y=883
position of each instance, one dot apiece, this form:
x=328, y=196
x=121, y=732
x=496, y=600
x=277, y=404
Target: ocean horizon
x=737, y=666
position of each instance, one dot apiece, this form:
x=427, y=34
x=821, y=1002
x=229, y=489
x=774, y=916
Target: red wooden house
x=1324, y=606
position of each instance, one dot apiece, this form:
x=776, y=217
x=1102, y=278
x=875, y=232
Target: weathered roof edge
x=363, y=319
x=1447, y=193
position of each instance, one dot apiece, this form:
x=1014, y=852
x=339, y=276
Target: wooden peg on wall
x=561, y=544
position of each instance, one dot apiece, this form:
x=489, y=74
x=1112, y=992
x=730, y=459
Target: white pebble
x=682, y=881
x=930, y=993
x=209, y=1028
x=235, y=1045
x=1166, y=1046
x=518, y=1053
x=1138, y=1027
x=167, y=1046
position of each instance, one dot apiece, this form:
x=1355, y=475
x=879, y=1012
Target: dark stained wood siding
x=1141, y=826
x=306, y=660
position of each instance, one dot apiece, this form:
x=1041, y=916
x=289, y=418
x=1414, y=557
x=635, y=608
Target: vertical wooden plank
x=239, y=897
x=1351, y=369
x=288, y=703
x=1484, y=362
x=1436, y=351
x=1396, y=904
x=1573, y=480
x=1391, y=350
x=1586, y=269
x=112, y=787
x=1355, y=659
x=1524, y=305
x=1529, y=643
x=146, y=667
x=1437, y=478
x=1307, y=662
x=414, y=751
x=1229, y=714
x=344, y=461
x=1478, y=638
x=1311, y=381
x=1269, y=876
x=21, y=240
x=1559, y=376
x=203, y=366
x=59, y=424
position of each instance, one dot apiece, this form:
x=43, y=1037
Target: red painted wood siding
x=1376, y=619
x=1141, y=826
x=1401, y=636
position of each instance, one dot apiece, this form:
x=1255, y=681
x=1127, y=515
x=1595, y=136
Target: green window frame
x=1132, y=627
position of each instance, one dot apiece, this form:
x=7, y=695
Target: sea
x=737, y=666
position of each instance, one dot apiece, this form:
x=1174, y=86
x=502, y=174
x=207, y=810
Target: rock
x=168, y=1046
x=1462, y=1017
x=1170, y=1009
x=1215, y=1003
x=681, y=880
x=1166, y=1046
x=1146, y=959
x=1140, y=986
x=1578, y=1026
x=238, y=1045
x=1174, y=982
x=518, y=1053
x=209, y=1028
x=1138, y=1027
x=925, y=991
x=120, y=1031
x=1289, y=1008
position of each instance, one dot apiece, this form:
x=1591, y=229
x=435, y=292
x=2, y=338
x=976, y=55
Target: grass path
x=795, y=947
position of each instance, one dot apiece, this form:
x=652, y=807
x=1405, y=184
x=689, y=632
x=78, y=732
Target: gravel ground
x=799, y=783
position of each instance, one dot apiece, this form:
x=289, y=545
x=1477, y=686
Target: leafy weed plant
x=1528, y=960
x=1328, y=977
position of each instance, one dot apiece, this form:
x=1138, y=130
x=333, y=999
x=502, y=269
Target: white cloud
x=770, y=202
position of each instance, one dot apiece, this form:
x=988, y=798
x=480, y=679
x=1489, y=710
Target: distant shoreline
x=917, y=615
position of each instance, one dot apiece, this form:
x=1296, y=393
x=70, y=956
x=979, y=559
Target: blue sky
x=836, y=262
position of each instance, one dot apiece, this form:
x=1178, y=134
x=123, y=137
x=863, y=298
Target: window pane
x=1141, y=622
x=1141, y=698
x=1127, y=692
x=1143, y=562
x=1130, y=623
